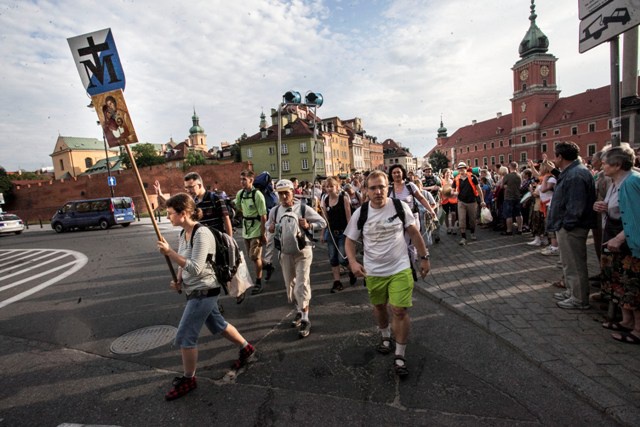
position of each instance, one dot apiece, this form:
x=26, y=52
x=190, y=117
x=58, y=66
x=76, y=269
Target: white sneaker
x=535, y=242
x=550, y=250
x=462, y=242
x=473, y=237
x=572, y=304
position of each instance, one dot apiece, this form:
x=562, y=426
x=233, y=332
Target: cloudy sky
x=397, y=64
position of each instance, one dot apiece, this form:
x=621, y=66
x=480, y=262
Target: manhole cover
x=144, y=339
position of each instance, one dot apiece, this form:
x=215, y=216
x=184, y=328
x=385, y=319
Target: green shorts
x=396, y=289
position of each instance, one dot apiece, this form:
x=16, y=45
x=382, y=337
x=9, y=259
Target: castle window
x=523, y=139
x=544, y=83
x=273, y=167
x=543, y=148
x=272, y=151
x=493, y=145
x=88, y=162
x=510, y=142
x=475, y=162
x=493, y=160
x=546, y=105
x=305, y=164
x=501, y=144
x=61, y=164
x=485, y=145
x=285, y=165
x=524, y=122
x=523, y=157
x=501, y=159
x=484, y=161
x=544, y=133
x=591, y=150
x=249, y=153
x=592, y=127
x=510, y=158
x=284, y=149
x=574, y=130
x=475, y=148
x=303, y=147
x=556, y=131
x=467, y=149
x=524, y=86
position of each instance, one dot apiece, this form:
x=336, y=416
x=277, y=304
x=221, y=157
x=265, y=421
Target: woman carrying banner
x=196, y=277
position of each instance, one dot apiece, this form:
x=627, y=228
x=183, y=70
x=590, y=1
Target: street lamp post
x=292, y=97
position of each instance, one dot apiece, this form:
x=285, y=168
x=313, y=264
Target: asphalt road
x=57, y=366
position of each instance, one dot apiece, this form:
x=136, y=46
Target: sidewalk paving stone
x=505, y=286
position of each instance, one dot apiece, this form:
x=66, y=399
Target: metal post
x=314, y=157
x=279, y=148
x=106, y=153
x=615, y=91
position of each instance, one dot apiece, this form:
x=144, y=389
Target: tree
x=438, y=161
x=194, y=158
x=235, y=152
x=6, y=187
x=145, y=155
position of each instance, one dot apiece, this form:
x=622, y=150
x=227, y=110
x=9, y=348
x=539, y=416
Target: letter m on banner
x=98, y=63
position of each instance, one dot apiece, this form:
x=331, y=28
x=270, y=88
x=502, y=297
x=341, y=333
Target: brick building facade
x=539, y=118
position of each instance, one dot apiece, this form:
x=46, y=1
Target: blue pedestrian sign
x=111, y=181
x=98, y=63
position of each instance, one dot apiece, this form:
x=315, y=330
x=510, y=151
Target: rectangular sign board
x=587, y=7
x=610, y=20
x=97, y=60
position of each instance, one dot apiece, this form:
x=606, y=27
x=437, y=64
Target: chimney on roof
x=473, y=122
x=498, y=115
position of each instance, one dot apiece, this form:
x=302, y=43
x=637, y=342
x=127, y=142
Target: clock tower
x=534, y=85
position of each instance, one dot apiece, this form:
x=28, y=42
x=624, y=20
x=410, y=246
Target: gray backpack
x=289, y=239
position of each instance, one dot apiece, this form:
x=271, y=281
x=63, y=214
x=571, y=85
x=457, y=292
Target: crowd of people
x=379, y=226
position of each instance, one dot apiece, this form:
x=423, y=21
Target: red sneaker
x=181, y=386
x=245, y=354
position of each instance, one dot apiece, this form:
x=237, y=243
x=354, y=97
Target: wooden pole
x=149, y=209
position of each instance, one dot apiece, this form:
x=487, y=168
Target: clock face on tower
x=544, y=71
x=524, y=74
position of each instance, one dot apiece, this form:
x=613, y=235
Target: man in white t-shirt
x=387, y=267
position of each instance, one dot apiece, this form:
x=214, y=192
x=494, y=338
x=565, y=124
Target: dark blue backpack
x=264, y=184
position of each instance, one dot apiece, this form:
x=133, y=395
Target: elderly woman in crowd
x=620, y=258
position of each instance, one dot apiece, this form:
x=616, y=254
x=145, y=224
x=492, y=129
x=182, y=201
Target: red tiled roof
x=480, y=132
x=583, y=106
x=298, y=128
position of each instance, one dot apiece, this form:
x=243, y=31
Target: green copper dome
x=196, y=124
x=442, y=131
x=534, y=41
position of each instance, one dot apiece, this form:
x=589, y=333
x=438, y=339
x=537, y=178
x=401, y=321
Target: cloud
x=396, y=64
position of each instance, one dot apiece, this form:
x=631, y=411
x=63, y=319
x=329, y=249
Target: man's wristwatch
x=425, y=257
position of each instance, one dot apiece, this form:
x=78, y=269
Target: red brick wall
x=39, y=202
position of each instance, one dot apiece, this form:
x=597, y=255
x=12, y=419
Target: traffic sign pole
x=614, y=45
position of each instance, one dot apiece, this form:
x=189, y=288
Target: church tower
x=534, y=85
x=197, y=137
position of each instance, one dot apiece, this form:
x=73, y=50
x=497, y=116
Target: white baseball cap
x=284, y=185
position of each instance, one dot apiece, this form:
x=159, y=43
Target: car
x=10, y=223
x=103, y=213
